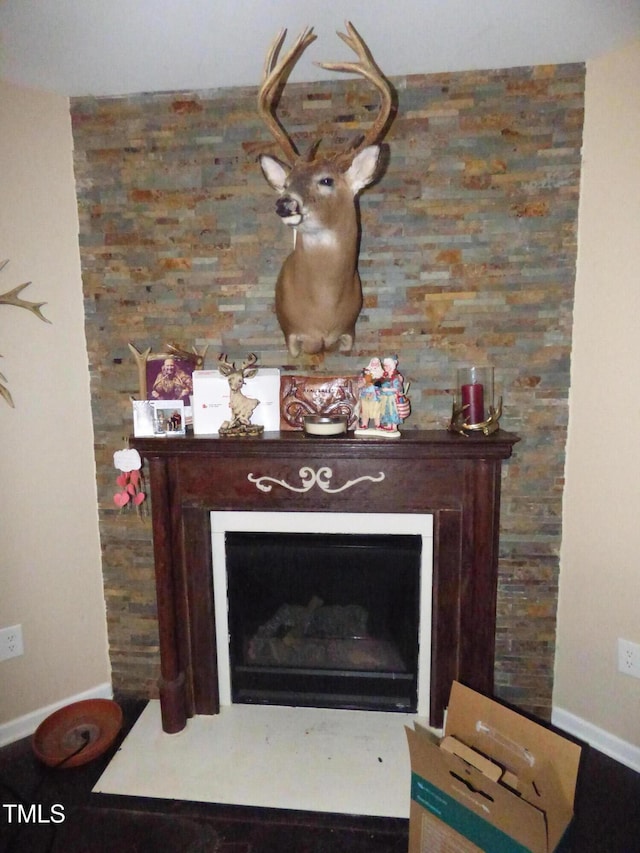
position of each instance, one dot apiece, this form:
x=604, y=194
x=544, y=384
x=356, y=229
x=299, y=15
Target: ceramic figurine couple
x=382, y=400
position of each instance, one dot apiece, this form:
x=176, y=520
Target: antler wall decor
x=318, y=291
x=12, y=297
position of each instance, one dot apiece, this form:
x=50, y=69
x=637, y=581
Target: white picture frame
x=168, y=418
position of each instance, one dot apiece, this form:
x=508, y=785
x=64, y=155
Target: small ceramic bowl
x=77, y=733
x=325, y=425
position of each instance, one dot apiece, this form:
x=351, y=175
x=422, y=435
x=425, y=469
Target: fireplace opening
x=323, y=609
x=327, y=620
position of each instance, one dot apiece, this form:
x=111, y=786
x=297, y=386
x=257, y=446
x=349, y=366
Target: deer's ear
x=363, y=168
x=274, y=171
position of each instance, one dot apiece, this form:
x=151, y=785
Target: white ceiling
x=112, y=47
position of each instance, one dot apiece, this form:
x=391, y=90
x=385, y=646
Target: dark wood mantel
x=452, y=477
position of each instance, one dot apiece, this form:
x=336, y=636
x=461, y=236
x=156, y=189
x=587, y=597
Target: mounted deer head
x=318, y=291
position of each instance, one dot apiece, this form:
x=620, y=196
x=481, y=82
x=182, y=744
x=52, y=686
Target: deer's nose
x=287, y=206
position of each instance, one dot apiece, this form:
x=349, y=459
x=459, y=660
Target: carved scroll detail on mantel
x=311, y=478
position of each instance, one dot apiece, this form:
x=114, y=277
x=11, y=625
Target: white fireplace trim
x=223, y=522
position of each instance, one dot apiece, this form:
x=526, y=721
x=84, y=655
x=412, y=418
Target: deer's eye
x=326, y=182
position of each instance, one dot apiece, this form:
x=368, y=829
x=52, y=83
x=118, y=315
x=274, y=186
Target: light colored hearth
x=348, y=762
x=310, y=759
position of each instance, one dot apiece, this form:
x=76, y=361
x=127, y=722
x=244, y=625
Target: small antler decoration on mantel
x=197, y=358
x=241, y=406
x=318, y=291
x=12, y=297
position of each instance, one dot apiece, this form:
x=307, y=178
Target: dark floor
x=607, y=815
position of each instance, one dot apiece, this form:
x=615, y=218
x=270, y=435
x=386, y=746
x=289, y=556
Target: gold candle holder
x=473, y=408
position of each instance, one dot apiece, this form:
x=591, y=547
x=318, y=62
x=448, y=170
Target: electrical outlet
x=629, y=657
x=11, y=645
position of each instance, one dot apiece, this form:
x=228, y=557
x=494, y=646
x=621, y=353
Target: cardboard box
x=496, y=783
x=210, y=401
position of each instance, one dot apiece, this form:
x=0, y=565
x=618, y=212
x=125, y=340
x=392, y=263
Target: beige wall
x=50, y=573
x=50, y=578
x=600, y=556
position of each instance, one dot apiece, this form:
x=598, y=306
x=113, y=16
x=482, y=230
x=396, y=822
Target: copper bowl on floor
x=77, y=733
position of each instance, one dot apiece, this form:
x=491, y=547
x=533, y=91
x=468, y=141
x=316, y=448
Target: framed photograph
x=168, y=418
x=169, y=378
x=167, y=375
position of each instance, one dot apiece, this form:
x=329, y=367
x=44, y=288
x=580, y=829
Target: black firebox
x=324, y=620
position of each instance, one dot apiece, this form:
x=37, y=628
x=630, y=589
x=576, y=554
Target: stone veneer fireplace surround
x=453, y=478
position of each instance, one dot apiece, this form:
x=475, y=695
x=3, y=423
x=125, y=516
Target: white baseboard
x=26, y=725
x=614, y=747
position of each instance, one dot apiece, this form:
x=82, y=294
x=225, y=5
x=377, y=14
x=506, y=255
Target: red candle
x=473, y=403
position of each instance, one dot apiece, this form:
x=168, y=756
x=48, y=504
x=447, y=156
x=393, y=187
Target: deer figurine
x=241, y=406
x=318, y=291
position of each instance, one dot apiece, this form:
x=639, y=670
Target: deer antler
x=195, y=357
x=249, y=361
x=368, y=69
x=226, y=367
x=276, y=73
x=274, y=78
x=12, y=297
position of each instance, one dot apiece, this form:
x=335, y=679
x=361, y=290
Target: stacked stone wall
x=467, y=256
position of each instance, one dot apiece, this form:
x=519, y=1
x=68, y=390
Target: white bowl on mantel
x=325, y=425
